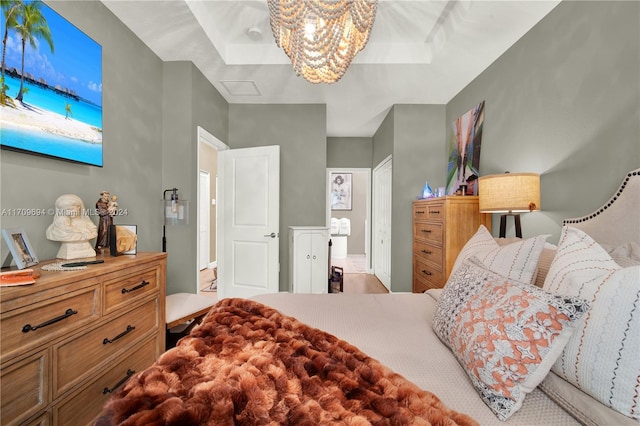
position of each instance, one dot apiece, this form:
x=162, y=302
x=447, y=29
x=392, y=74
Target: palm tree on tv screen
x=32, y=25
x=10, y=11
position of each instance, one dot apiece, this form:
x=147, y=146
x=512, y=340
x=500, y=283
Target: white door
x=309, y=263
x=204, y=203
x=248, y=229
x=382, y=222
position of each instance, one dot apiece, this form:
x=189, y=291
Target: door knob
x=272, y=235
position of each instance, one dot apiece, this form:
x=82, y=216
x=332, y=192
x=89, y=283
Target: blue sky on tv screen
x=75, y=63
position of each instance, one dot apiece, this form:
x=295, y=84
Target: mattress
x=396, y=330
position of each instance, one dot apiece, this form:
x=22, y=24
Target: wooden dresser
x=441, y=227
x=74, y=337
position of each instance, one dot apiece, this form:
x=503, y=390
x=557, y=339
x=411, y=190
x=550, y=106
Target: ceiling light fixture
x=321, y=37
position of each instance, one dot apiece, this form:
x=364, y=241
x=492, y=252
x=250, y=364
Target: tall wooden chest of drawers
x=74, y=337
x=441, y=227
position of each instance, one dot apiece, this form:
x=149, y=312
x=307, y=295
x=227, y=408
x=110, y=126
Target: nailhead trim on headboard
x=607, y=205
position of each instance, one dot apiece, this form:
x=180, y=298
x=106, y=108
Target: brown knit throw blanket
x=247, y=364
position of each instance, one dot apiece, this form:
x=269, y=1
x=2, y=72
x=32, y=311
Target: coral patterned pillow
x=602, y=358
x=505, y=334
x=518, y=261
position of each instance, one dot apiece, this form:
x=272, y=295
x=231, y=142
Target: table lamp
x=509, y=194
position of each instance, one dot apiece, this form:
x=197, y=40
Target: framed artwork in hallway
x=340, y=191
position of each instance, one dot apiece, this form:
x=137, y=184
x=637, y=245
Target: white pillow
x=518, y=261
x=505, y=334
x=602, y=358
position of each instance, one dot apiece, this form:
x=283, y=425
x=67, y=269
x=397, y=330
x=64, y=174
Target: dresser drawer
x=36, y=324
x=121, y=291
x=42, y=420
x=85, y=405
x=428, y=252
x=24, y=388
x=428, y=210
x=425, y=272
x=74, y=359
x=419, y=211
x=420, y=286
x=435, y=212
x=430, y=232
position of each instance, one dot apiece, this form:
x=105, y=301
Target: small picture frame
x=340, y=191
x=20, y=247
x=123, y=239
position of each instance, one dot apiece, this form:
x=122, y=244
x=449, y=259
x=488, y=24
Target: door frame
x=206, y=138
x=204, y=178
x=367, y=225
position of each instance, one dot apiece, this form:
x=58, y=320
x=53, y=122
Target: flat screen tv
x=51, y=100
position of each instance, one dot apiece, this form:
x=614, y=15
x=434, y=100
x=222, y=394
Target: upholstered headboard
x=618, y=220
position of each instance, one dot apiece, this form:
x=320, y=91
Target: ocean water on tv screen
x=53, y=145
x=46, y=143
x=52, y=101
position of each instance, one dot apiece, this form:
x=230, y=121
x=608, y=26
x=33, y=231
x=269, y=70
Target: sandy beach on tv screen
x=32, y=118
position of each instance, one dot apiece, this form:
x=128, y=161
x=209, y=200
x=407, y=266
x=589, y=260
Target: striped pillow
x=518, y=261
x=602, y=357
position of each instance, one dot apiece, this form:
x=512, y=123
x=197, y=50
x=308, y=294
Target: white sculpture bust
x=73, y=228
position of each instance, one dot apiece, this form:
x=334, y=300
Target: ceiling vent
x=241, y=87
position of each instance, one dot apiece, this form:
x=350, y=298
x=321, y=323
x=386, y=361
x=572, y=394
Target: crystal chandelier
x=321, y=37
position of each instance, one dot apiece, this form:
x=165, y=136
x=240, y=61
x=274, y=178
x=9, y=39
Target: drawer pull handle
x=129, y=329
x=428, y=231
x=434, y=211
x=426, y=251
x=419, y=211
x=27, y=328
x=130, y=373
x=139, y=286
x=424, y=271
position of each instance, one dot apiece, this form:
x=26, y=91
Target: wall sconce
x=175, y=212
x=509, y=194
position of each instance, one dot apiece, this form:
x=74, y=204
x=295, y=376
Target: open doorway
x=349, y=217
x=207, y=181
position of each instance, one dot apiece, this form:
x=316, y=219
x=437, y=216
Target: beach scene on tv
x=50, y=86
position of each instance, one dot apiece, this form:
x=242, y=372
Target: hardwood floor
x=363, y=283
x=352, y=282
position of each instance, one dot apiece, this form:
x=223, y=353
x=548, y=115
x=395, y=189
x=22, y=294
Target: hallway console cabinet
x=74, y=337
x=441, y=227
x=308, y=259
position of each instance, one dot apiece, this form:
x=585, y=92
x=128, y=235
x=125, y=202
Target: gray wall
x=413, y=135
x=418, y=156
x=189, y=101
x=564, y=102
x=383, y=140
x=132, y=111
x=150, y=113
x=349, y=152
x=300, y=130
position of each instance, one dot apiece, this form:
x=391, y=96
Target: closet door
x=319, y=261
x=382, y=222
x=308, y=259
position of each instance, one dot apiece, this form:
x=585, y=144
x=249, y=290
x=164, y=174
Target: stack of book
x=17, y=277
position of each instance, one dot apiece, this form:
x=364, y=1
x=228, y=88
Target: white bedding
x=396, y=330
